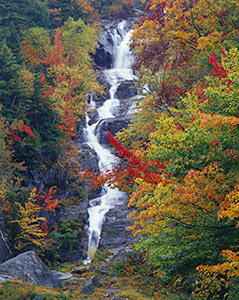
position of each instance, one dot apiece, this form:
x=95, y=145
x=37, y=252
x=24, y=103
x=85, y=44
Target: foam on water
x=109, y=197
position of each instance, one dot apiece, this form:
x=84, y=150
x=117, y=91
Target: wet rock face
x=111, y=124
x=93, y=117
x=105, y=52
x=114, y=233
x=5, y=251
x=126, y=90
x=89, y=160
x=28, y=267
x=103, y=56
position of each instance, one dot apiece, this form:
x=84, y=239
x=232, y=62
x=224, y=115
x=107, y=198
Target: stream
x=109, y=198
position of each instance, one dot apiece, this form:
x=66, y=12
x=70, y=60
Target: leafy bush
x=63, y=241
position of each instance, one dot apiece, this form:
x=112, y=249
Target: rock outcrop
x=89, y=287
x=89, y=160
x=114, y=234
x=50, y=177
x=111, y=124
x=99, y=99
x=126, y=90
x=105, y=52
x=5, y=250
x=29, y=267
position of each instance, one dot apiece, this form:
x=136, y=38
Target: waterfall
x=109, y=197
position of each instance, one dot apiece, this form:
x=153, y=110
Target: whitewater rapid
x=109, y=198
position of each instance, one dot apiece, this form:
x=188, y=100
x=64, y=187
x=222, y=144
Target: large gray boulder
x=89, y=287
x=29, y=267
x=110, y=124
x=126, y=90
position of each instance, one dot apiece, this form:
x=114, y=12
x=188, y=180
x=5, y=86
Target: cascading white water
x=120, y=72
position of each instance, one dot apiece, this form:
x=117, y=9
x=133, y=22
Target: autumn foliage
x=179, y=157
x=180, y=153
x=45, y=76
